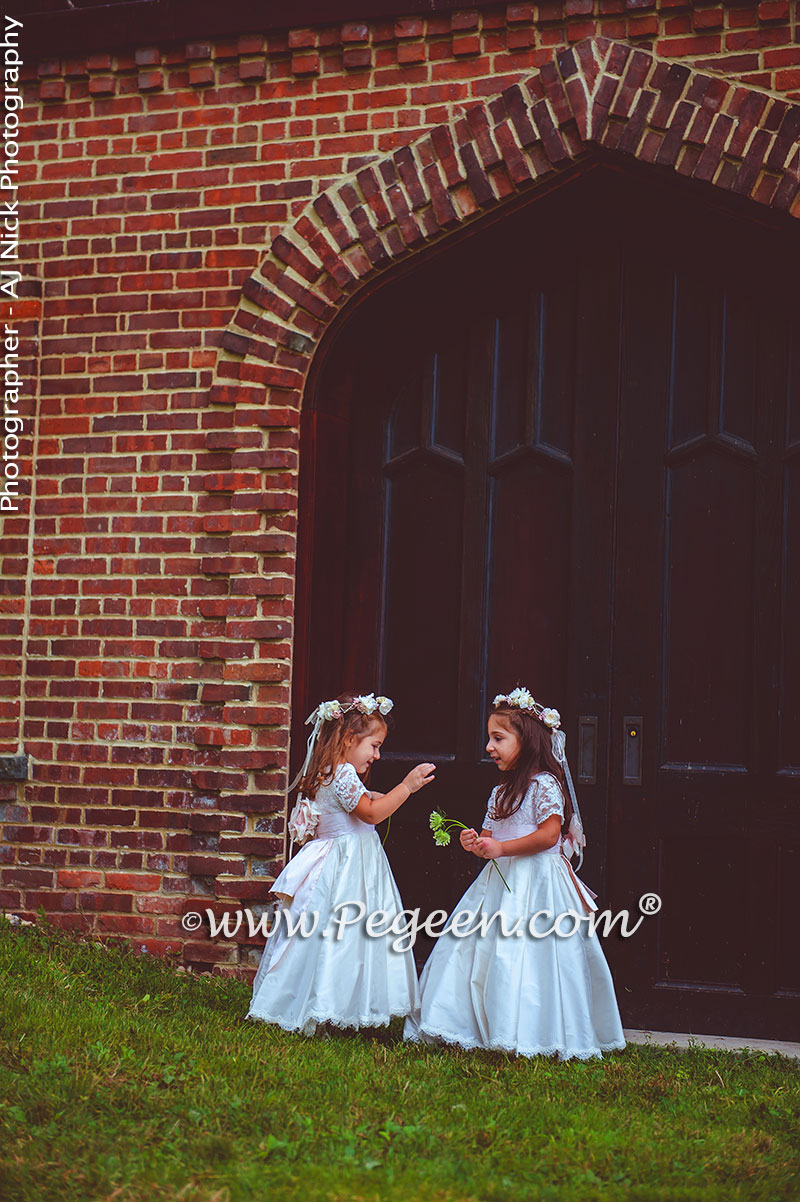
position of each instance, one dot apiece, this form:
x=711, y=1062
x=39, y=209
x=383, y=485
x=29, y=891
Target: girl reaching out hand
x=525, y=992
x=339, y=975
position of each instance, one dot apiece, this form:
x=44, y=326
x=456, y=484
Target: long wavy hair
x=535, y=755
x=333, y=740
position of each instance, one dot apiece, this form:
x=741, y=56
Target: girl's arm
x=374, y=809
x=546, y=836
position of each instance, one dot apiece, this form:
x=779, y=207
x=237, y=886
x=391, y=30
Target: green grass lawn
x=126, y=1081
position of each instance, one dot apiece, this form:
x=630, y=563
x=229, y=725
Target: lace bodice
x=334, y=802
x=341, y=792
x=542, y=799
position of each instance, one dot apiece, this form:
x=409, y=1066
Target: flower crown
x=523, y=699
x=367, y=704
x=328, y=711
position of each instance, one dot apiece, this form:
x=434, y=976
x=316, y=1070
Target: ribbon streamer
x=316, y=717
x=577, y=837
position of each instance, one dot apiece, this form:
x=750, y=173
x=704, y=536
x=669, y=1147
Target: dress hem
x=470, y=1045
x=368, y=1020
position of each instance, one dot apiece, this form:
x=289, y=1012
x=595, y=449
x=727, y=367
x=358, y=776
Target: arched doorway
x=564, y=453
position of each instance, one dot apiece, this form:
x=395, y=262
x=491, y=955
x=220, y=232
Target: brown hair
x=535, y=755
x=330, y=749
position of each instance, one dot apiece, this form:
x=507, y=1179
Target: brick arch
x=598, y=95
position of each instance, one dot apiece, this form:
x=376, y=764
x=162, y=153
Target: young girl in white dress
x=339, y=975
x=519, y=993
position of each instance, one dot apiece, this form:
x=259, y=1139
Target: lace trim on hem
x=344, y=1024
x=470, y=1045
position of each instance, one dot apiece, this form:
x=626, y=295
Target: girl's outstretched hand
x=468, y=840
x=488, y=848
x=419, y=776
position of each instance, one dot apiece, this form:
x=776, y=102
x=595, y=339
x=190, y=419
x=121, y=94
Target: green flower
x=442, y=827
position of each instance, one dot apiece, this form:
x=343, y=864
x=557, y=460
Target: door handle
x=632, y=751
x=587, y=749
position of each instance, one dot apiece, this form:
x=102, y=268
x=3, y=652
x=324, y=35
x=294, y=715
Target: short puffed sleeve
x=549, y=799
x=488, y=822
x=347, y=787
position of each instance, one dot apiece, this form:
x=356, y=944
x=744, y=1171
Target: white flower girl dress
x=353, y=981
x=518, y=993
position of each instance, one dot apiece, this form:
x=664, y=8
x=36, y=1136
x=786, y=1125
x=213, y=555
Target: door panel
x=424, y=508
x=789, y=652
x=572, y=462
x=708, y=615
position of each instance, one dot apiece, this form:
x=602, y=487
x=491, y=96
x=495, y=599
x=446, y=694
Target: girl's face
x=363, y=750
x=503, y=744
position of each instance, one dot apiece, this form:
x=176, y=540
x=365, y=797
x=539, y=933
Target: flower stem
x=464, y=827
x=502, y=878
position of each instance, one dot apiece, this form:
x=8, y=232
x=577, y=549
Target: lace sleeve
x=488, y=822
x=549, y=799
x=348, y=788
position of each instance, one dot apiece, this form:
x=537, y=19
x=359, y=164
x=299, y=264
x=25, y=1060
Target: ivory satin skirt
x=518, y=993
x=353, y=981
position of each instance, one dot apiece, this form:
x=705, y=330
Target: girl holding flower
x=534, y=982
x=338, y=974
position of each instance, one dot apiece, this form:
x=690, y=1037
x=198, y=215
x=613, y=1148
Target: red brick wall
x=156, y=609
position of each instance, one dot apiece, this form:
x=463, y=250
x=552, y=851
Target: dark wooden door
x=705, y=607
x=560, y=454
